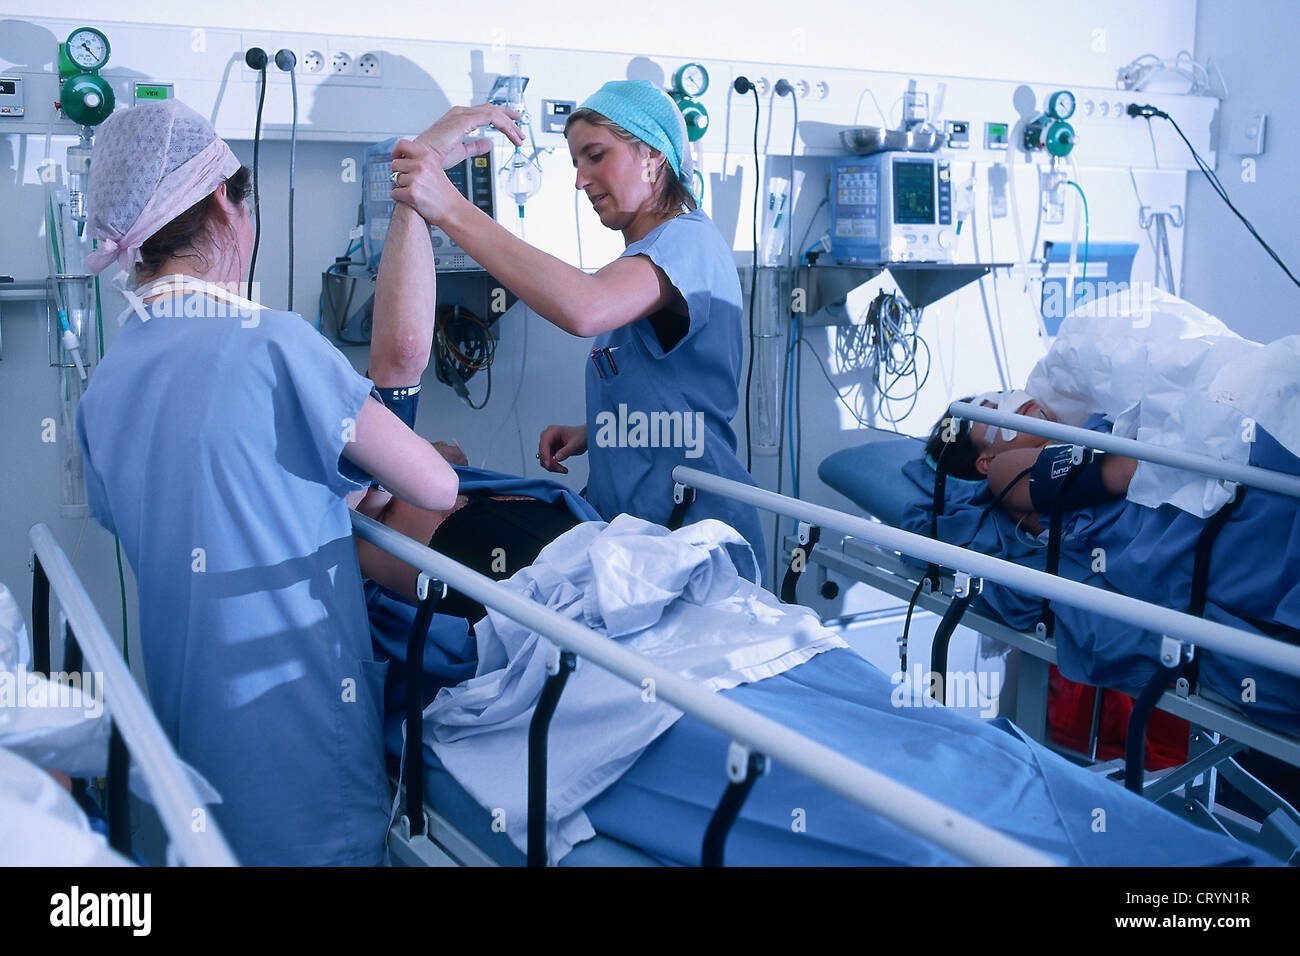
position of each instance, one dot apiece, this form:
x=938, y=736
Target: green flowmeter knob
x=86, y=99
x=695, y=115
x=1060, y=138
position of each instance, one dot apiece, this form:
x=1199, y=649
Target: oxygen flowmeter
x=85, y=97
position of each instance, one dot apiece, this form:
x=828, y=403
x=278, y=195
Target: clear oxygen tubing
x=866, y=91
x=1021, y=261
x=1079, y=214
x=998, y=360
x=1074, y=242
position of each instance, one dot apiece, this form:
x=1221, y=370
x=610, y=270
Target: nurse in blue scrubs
x=222, y=441
x=662, y=385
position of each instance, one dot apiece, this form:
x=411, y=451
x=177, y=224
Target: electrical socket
x=369, y=64
x=341, y=64
x=312, y=63
x=762, y=86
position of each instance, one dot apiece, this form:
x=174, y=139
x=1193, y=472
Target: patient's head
x=968, y=447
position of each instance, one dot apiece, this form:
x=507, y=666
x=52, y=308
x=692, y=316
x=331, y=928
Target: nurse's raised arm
x=624, y=182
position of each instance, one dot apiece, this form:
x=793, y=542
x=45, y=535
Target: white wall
x=1228, y=273
x=1058, y=44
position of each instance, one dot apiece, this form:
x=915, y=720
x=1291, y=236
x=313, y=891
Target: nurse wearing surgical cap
x=221, y=439
x=666, y=315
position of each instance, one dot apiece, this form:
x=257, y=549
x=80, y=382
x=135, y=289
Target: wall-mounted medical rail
x=1250, y=475
x=1217, y=637
x=915, y=812
x=173, y=794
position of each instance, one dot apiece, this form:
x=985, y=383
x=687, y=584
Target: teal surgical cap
x=649, y=114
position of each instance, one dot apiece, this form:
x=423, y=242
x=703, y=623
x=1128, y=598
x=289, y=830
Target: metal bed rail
x=1176, y=625
x=173, y=794
x=884, y=570
x=915, y=812
x=1250, y=475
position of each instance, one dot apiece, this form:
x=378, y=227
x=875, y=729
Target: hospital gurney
x=1067, y=785
x=755, y=737
x=135, y=734
x=872, y=476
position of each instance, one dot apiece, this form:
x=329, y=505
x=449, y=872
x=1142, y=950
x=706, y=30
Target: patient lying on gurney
x=1025, y=472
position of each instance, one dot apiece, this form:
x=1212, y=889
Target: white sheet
x=1168, y=374
x=674, y=598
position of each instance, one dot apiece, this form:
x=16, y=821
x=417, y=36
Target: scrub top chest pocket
x=602, y=357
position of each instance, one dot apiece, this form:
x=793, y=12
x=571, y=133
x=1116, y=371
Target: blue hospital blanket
x=986, y=770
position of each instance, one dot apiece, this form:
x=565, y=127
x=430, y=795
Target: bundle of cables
x=463, y=344
x=886, y=345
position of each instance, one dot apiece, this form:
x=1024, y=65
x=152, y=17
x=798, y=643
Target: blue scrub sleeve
x=96, y=496
x=331, y=394
x=675, y=250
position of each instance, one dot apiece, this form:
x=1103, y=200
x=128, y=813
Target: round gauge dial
x=692, y=79
x=88, y=48
x=1061, y=105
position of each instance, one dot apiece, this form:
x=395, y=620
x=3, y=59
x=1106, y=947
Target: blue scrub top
x=211, y=448
x=698, y=379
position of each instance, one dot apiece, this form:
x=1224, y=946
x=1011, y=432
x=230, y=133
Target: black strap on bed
x=413, y=764
x=937, y=505
x=118, y=776
x=40, y=617
x=119, y=789
x=964, y=590
x=683, y=498
x=744, y=767
x=1201, y=569
x=1047, y=617
x=1205, y=548
x=1171, y=665
x=799, y=562
x=72, y=663
x=558, y=670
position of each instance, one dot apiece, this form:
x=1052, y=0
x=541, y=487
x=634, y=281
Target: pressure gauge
x=1061, y=105
x=691, y=80
x=87, y=48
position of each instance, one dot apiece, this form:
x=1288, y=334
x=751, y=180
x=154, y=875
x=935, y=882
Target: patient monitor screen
x=913, y=192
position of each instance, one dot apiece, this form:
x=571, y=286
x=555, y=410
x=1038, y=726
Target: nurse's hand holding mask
x=420, y=181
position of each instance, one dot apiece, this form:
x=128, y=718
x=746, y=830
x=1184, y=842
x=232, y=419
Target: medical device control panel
x=11, y=96
x=892, y=207
x=474, y=179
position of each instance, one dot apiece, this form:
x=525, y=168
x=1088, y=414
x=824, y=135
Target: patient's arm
x=405, y=290
x=1006, y=468
x=411, y=520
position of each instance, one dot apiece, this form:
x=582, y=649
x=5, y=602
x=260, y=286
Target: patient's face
x=991, y=441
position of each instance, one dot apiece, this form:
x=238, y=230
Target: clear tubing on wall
x=769, y=355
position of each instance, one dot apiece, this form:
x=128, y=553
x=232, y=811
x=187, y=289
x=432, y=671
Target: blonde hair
x=670, y=192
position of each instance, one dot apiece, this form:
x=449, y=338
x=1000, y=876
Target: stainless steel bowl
x=865, y=140
x=925, y=139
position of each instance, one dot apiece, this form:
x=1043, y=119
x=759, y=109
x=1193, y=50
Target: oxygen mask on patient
x=1009, y=402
